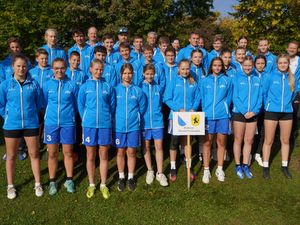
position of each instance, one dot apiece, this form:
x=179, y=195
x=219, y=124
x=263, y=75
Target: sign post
x=188, y=123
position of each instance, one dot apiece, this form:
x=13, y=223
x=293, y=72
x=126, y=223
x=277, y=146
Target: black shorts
x=21, y=133
x=239, y=117
x=278, y=116
x=175, y=141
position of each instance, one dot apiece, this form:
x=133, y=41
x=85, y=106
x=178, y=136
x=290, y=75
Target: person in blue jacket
x=109, y=73
x=181, y=95
x=112, y=56
x=73, y=72
x=2, y=73
x=170, y=67
x=60, y=95
x=96, y=105
x=131, y=104
x=159, y=55
x=153, y=126
x=20, y=103
x=123, y=37
x=51, y=47
x=242, y=42
x=216, y=95
x=227, y=59
x=247, y=102
x=93, y=40
x=216, y=51
x=259, y=64
x=185, y=53
x=84, y=50
x=137, y=51
x=240, y=54
x=197, y=68
x=279, y=88
x=124, y=49
x=263, y=48
x=147, y=58
x=42, y=72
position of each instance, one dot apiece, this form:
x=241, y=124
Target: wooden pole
x=188, y=158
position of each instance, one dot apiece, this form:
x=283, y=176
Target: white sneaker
x=206, y=176
x=220, y=175
x=162, y=179
x=258, y=159
x=38, y=191
x=11, y=193
x=150, y=177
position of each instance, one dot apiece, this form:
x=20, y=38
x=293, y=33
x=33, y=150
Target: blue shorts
x=222, y=126
x=155, y=134
x=96, y=136
x=131, y=139
x=59, y=135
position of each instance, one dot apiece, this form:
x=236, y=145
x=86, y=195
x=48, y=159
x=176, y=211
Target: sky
x=224, y=6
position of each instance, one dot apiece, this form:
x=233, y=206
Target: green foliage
x=29, y=19
x=277, y=20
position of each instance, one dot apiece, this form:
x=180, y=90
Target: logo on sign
x=181, y=121
x=195, y=120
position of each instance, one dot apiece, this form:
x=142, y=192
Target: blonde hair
x=291, y=75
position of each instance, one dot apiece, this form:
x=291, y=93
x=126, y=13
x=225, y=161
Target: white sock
x=257, y=155
x=186, y=163
x=206, y=168
x=92, y=185
x=102, y=185
x=37, y=184
x=265, y=164
x=10, y=186
x=173, y=165
x=220, y=168
x=130, y=176
x=284, y=163
x=121, y=175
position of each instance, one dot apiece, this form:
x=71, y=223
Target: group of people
x=123, y=95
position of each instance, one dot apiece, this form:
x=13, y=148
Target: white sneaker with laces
x=162, y=179
x=206, y=176
x=258, y=159
x=38, y=190
x=150, y=177
x=11, y=193
x=220, y=175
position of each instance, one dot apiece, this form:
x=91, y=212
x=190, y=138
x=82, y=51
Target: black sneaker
x=286, y=172
x=131, y=185
x=266, y=173
x=121, y=185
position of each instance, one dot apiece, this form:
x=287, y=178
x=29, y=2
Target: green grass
x=235, y=201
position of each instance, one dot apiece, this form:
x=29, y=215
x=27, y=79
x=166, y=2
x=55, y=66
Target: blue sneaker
x=52, y=188
x=247, y=172
x=69, y=185
x=239, y=172
x=22, y=155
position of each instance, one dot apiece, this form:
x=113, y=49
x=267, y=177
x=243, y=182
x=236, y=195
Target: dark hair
x=148, y=48
x=137, y=37
x=19, y=56
x=242, y=37
x=170, y=49
x=248, y=58
x=164, y=40
x=59, y=60
x=107, y=36
x=78, y=31
x=218, y=37
x=225, y=50
x=294, y=42
x=40, y=51
x=126, y=66
x=260, y=56
x=101, y=49
x=149, y=66
x=13, y=39
x=190, y=77
x=240, y=48
x=96, y=61
x=124, y=45
x=212, y=62
x=74, y=53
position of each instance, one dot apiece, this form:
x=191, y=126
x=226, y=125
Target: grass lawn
x=235, y=201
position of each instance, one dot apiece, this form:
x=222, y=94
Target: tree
x=277, y=20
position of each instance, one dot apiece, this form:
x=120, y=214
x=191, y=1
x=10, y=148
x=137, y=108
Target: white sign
x=188, y=123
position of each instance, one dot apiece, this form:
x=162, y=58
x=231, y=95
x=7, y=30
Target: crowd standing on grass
x=121, y=94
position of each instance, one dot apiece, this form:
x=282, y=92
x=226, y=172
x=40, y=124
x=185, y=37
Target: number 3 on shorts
x=49, y=138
